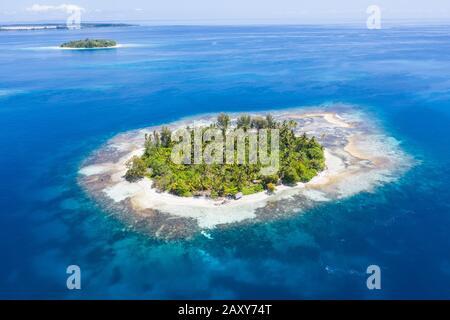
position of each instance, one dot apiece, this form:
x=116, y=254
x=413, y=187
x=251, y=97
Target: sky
x=226, y=11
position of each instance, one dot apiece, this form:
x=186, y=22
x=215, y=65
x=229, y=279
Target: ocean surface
x=59, y=106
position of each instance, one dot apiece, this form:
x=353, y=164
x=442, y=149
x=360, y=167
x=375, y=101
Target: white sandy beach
x=366, y=161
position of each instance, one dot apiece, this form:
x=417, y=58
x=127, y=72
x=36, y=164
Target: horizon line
x=236, y=22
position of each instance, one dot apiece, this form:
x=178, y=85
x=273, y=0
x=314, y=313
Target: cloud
x=67, y=8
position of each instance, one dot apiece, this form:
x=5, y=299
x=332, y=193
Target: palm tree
x=244, y=122
x=223, y=121
x=271, y=123
x=165, y=137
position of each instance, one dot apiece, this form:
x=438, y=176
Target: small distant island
x=89, y=44
x=300, y=159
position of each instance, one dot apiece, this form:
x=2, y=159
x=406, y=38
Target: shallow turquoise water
x=56, y=107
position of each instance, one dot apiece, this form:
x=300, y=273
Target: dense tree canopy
x=300, y=159
x=89, y=43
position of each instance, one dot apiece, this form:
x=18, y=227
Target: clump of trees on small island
x=90, y=43
x=300, y=159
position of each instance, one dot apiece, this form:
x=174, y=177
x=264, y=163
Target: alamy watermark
x=214, y=146
x=74, y=19
x=73, y=11
x=374, y=19
x=73, y=281
x=374, y=280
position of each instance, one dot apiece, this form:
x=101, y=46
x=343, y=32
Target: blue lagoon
x=60, y=111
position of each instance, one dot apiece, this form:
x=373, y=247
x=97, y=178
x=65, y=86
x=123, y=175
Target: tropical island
x=325, y=154
x=300, y=158
x=89, y=44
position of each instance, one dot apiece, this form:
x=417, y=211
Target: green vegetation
x=300, y=159
x=271, y=187
x=136, y=168
x=89, y=43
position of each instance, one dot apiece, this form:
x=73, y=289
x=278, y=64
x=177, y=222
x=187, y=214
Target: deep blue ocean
x=58, y=106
